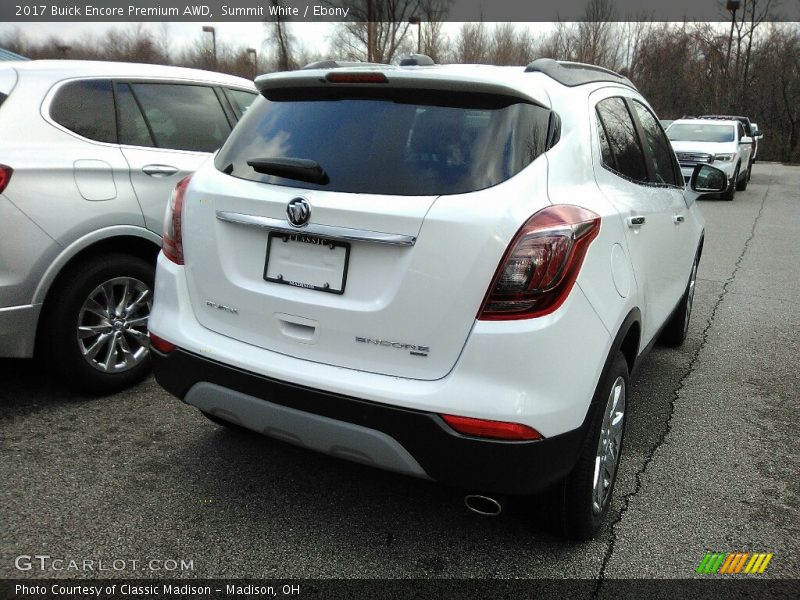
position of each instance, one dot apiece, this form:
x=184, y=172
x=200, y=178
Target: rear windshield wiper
x=301, y=169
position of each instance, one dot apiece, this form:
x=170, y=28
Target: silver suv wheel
x=112, y=325
x=609, y=446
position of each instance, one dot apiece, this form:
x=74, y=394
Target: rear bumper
x=408, y=441
x=18, y=330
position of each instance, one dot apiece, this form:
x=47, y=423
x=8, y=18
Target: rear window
x=389, y=145
x=696, y=132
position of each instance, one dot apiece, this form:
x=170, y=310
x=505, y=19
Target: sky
x=250, y=33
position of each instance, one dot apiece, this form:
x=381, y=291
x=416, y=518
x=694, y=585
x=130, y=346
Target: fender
x=81, y=244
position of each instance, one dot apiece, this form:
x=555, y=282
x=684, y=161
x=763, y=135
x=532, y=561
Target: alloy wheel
x=609, y=446
x=690, y=297
x=112, y=325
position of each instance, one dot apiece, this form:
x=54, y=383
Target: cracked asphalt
x=710, y=462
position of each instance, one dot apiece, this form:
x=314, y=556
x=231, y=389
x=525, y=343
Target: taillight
x=541, y=264
x=161, y=344
x=172, y=243
x=499, y=430
x=5, y=177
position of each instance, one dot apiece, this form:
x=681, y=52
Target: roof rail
x=338, y=64
x=572, y=74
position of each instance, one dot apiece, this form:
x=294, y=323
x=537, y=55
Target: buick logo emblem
x=299, y=211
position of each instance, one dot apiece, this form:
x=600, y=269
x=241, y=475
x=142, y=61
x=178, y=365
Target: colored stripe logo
x=733, y=563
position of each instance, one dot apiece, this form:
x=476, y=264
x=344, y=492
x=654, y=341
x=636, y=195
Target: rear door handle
x=678, y=219
x=159, y=170
x=636, y=221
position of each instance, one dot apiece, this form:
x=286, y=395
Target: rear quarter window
x=391, y=145
x=87, y=108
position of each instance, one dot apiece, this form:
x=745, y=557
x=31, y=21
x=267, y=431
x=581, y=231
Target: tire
x=741, y=185
x=583, y=498
x=731, y=191
x=95, y=329
x=676, y=329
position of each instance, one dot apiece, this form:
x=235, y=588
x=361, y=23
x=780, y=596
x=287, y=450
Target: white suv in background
x=89, y=152
x=445, y=271
x=723, y=143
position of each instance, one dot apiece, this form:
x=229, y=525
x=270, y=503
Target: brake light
x=161, y=344
x=499, y=430
x=5, y=177
x=172, y=242
x=541, y=264
x=356, y=78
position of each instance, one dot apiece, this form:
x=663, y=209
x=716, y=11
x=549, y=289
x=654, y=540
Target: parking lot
x=711, y=459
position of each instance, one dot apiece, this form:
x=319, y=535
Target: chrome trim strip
x=343, y=234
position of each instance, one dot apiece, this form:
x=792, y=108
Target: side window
x=241, y=99
x=87, y=108
x=133, y=129
x=741, y=131
x=622, y=139
x=183, y=117
x=658, y=150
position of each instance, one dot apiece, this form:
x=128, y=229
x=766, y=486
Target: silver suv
x=89, y=152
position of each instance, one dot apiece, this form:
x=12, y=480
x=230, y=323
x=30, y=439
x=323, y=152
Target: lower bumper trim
x=408, y=441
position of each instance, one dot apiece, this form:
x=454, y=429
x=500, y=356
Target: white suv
x=723, y=143
x=445, y=271
x=89, y=152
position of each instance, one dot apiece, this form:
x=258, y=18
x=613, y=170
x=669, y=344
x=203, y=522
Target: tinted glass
x=622, y=139
x=700, y=132
x=183, y=117
x=658, y=150
x=87, y=108
x=383, y=146
x=132, y=127
x=241, y=99
x=605, y=147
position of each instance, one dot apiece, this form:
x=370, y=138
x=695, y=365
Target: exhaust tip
x=485, y=506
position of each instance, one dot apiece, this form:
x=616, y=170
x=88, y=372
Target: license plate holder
x=307, y=261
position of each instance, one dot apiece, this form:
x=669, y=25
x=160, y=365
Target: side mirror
x=708, y=180
x=746, y=139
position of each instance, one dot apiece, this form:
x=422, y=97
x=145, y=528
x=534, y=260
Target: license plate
x=307, y=261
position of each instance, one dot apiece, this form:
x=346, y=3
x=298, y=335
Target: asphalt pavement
x=711, y=460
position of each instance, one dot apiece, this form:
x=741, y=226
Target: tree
x=381, y=27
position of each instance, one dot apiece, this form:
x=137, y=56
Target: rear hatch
x=405, y=187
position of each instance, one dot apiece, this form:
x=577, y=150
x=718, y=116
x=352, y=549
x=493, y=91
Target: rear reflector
x=499, y=430
x=160, y=344
x=356, y=78
x=5, y=177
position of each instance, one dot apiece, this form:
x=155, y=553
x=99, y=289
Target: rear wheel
x=585, y=495
x=95, y=331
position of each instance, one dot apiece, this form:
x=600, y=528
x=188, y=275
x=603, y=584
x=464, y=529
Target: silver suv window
x=182, y=117
x=86, y=107
x=393, y=144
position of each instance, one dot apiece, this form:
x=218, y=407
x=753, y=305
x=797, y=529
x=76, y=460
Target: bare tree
x=472, y=44
x=381, y=27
